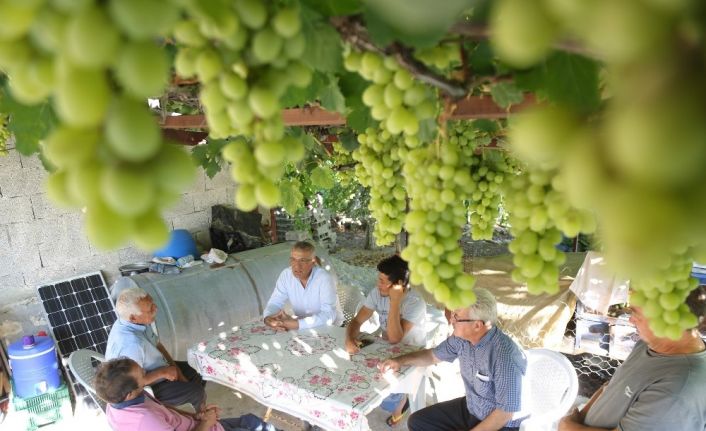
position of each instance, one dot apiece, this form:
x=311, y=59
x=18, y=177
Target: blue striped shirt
x=492, y=372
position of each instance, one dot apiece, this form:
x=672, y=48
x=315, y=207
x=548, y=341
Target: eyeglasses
x=456, y=318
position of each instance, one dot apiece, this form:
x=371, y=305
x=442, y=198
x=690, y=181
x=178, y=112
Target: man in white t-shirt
x=402, y=315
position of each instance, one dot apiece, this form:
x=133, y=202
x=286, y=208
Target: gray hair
x=128, y=302
x=485, y=308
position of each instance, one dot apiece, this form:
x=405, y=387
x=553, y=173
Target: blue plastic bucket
x=180, y=244
x=35, y=369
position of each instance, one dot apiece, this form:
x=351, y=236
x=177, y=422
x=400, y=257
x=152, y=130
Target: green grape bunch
x=98, y=63
x=246, y=55
x=438, y=180
x=380, y=157
x=395, y=97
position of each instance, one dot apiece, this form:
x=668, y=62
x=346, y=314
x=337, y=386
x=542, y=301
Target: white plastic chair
x=81, y=363
x=549, y=389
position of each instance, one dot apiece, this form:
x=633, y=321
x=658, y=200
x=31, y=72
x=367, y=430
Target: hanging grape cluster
x=246, y=54
x=395, y=98
x=379, y=158
x=662, y=297
x=488, y=172
x=438, y=180
x=440, y=56
x=98, y=63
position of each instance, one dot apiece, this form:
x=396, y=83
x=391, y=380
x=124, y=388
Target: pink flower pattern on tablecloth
x=336, y=397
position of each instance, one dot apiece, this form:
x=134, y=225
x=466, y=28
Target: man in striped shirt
x=492, y=368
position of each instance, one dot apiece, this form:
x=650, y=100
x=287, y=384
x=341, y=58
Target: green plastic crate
x=43, y=409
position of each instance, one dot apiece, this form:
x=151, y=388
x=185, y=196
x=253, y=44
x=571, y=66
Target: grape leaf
x=480, y=57
x=349, y=141
x=322, y=177
x=292, y=198
x=295, y=96
x=29, y=124
x=485, y=125
x=506, y=94
x=419, y=23
x=335, y=7
x=323, y=43
x=331, y=97
x=208, y=156
x=565, y=78
x=352, y=87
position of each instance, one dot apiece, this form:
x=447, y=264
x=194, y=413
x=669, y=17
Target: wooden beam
x=186, y=137
x=473, y=107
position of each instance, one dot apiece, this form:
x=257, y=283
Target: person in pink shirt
x=120, y=382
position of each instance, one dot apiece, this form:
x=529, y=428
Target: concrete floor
x=234, y=403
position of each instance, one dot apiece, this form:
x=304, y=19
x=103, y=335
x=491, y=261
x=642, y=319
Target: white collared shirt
x=315, y=305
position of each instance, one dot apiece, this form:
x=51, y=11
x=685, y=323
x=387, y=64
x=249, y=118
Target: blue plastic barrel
x=35, y=369
x=180, y=244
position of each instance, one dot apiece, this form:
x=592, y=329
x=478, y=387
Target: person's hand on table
x=288, y=322
x=352, y=346
x=275, y=321
x=389, y=365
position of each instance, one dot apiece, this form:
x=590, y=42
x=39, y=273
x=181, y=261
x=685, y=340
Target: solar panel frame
x=80, y=314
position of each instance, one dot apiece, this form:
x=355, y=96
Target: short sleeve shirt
x=137, y=342
x=492, y=372
x=413, y=309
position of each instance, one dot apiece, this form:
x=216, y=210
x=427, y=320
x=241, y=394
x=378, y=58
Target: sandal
x=393, y=420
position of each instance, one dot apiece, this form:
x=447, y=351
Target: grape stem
x=353, y=32
x=480, y=32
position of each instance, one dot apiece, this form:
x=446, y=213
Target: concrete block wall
x=40, y=243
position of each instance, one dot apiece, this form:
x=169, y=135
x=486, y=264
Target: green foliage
x=506, y=94
x=335, y=7
x=208, y=155
x=565, y=78
x=323, y=43
x=29, y=123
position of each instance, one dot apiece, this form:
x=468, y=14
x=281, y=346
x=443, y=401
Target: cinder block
x=108, y=262
x=221, y=180
x=23, y=181
x=184, y=206
x=193, y=222
x=133, y=255
x=47, y=275
x=16, y=209
x=199, y=184
x=297, y=235
x=10, y=162
x=19, y=260
x=203, y=201
x=45, y=209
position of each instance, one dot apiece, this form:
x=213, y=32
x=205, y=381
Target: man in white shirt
x=309, y=289
x=402, y=315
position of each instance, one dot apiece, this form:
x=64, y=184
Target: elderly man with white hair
x=492, y=367
x=173, y=383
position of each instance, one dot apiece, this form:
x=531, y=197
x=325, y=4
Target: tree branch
x=353, y=32
x=480, y=32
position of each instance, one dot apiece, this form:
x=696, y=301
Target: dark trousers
x=247, y=422
x=177, y=393
x=450, y=415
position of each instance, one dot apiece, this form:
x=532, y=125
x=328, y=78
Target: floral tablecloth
x=305, y=373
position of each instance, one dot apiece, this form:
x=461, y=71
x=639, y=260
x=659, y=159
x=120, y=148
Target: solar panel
x=80, y=315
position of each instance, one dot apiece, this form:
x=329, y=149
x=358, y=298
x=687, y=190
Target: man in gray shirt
x=659, y=387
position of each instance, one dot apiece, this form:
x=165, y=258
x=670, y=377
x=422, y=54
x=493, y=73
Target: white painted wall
x=40, y=243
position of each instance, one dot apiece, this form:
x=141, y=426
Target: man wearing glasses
x=660, y=386
x=310, y=290
x=492, y=368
